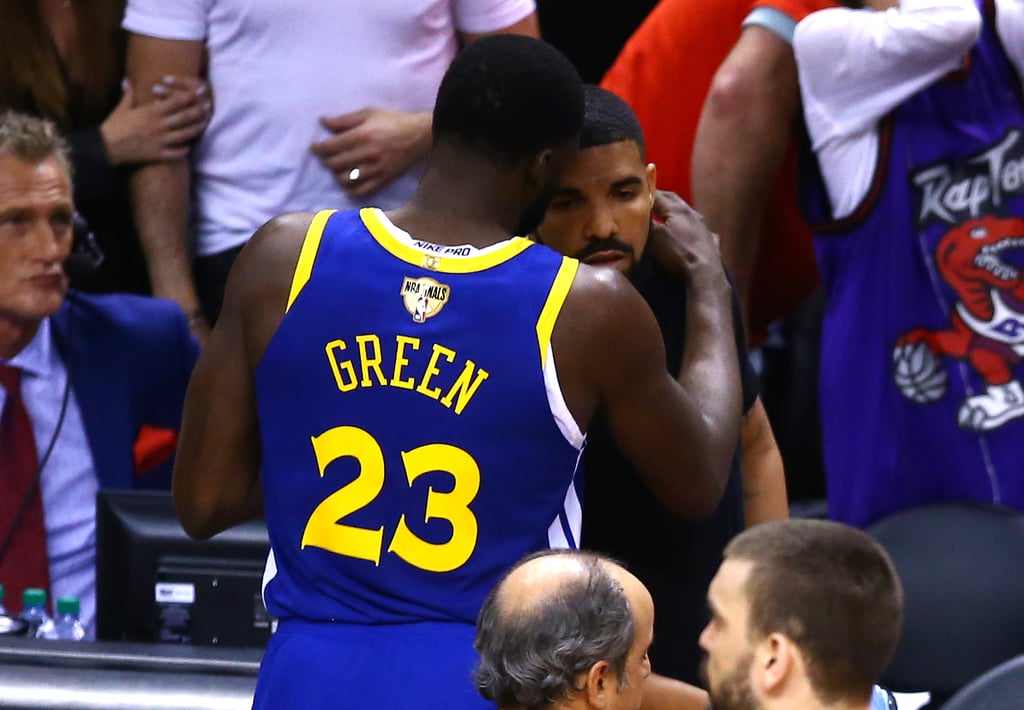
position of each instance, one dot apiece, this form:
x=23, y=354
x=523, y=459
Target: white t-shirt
x=277, y=66
x=856, y=66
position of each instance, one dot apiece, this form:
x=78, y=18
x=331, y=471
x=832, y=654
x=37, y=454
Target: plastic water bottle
x=68, y=626
x=33, y=604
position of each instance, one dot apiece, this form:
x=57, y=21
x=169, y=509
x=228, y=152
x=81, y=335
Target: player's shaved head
x=509, y=97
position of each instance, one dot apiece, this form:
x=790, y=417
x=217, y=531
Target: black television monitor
x=154, y=583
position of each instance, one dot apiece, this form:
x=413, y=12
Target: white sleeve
x=857, y=65
x=1010, y=25
x=180, y=19
x=480, y=16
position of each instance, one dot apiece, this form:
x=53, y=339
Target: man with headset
x=91, y=388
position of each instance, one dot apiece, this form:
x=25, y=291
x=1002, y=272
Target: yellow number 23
x=324, y=529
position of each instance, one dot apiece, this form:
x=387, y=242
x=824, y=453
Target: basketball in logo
x=918, y=372
x=424, y=297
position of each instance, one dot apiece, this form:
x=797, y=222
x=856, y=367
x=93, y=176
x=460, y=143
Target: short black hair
x=608, y=119
x=509, y=97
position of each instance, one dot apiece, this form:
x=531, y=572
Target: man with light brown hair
x=91, y=387
x=804, y=614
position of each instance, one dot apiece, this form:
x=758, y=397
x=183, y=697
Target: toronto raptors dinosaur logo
x=981, y=260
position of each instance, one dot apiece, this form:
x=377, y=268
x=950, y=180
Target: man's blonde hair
x=33, y=140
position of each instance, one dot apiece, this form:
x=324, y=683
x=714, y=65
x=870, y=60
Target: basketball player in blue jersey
x=404, y=396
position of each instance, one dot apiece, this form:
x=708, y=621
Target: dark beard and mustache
x=636, y=271
x=733, y=692
x=599, y=245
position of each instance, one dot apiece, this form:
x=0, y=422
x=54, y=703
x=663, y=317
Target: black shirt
x=622, y=518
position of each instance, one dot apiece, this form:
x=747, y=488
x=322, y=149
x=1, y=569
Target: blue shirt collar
x=37, y=358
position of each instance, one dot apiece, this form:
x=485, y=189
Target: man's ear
x=599, y=684
x=540, y=167
x=652, y=180
x=775, y=660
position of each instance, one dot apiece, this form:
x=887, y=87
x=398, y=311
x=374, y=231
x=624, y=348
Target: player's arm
x=662, y=693
x=764, y=480
x=160, y=191
x=741, y=141
x=216, y=473
x=679, y=433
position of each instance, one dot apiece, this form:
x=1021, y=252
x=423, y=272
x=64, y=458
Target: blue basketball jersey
x=415, y=444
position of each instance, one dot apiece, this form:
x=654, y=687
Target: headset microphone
x=83, y=261
x=86, y=256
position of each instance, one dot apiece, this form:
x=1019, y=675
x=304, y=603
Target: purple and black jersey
x=921, y=397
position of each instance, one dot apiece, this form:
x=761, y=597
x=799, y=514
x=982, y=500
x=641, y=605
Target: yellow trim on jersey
x=556, y=297
x=438, y=262
x=310, y=245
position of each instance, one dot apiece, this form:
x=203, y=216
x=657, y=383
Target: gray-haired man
x=567, y=630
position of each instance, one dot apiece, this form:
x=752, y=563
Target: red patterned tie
x=25, y=563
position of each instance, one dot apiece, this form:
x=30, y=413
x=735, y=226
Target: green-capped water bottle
x=68, y=626
x=33, y=612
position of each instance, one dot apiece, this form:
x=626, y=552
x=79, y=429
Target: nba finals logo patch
x=424, y=297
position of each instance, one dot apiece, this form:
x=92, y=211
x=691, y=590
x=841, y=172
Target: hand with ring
x=368, y=149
